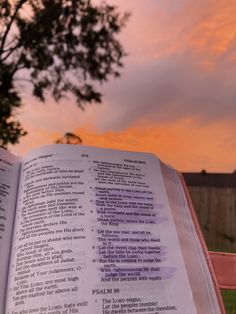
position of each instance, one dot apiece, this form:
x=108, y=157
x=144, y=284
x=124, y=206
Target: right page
x=95, y=233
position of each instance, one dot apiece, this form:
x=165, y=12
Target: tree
x=69, y=138
x=60, y=46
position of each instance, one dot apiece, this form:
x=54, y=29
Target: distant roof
x=204, y=179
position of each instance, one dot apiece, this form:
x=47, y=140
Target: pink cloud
x=181, y=67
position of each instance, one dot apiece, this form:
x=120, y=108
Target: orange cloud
x=205, y=29
x=216, y=31
x=181, y=67
x=183, y=144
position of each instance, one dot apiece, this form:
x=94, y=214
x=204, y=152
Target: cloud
x=176, y=96
x=168, y=89
x=182, y=64
x=183, y=144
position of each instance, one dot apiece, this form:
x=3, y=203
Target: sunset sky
x=176, y=96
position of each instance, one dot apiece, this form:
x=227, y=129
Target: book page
x=95, y=234
x=9, y=173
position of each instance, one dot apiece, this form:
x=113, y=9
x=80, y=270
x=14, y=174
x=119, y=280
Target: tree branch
x=17, y=8
x=10, y=51
x=10, y=43
x=16, y=66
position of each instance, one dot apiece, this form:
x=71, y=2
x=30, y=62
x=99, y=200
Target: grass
x=229, y=297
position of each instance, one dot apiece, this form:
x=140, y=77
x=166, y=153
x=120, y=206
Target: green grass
x=229, y=297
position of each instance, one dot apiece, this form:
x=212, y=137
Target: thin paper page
x=9, y=173
x=96, y=235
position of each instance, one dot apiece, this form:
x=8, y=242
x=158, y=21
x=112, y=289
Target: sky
x=176, y=96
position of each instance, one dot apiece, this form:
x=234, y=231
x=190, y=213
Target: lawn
x=229, y=297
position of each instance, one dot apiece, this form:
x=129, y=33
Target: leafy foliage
x=60, y=46
x=69, y=138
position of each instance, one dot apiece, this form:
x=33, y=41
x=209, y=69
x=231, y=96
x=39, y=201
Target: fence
x=216, y=211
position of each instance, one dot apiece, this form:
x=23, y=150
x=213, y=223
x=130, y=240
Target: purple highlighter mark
x=161, y=274
x=129, y=208
x=129, y=254
x=146, y=253
x=135, y=273
x=115, y=237
x=121, y=191
x=158, y=206
x=115, y=206
x=123, y=218
x=114, y=195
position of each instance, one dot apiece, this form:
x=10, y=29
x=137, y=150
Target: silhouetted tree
x=60, y=46
x=69, y=138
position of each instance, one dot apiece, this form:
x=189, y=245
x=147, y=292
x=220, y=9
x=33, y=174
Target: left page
x=9, y=173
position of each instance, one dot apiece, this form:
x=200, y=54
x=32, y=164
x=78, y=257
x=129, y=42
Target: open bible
x=99, y=231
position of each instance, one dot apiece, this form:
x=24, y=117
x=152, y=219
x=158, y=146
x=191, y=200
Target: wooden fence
x=216, y=211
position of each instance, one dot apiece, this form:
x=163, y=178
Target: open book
x=98, y=231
